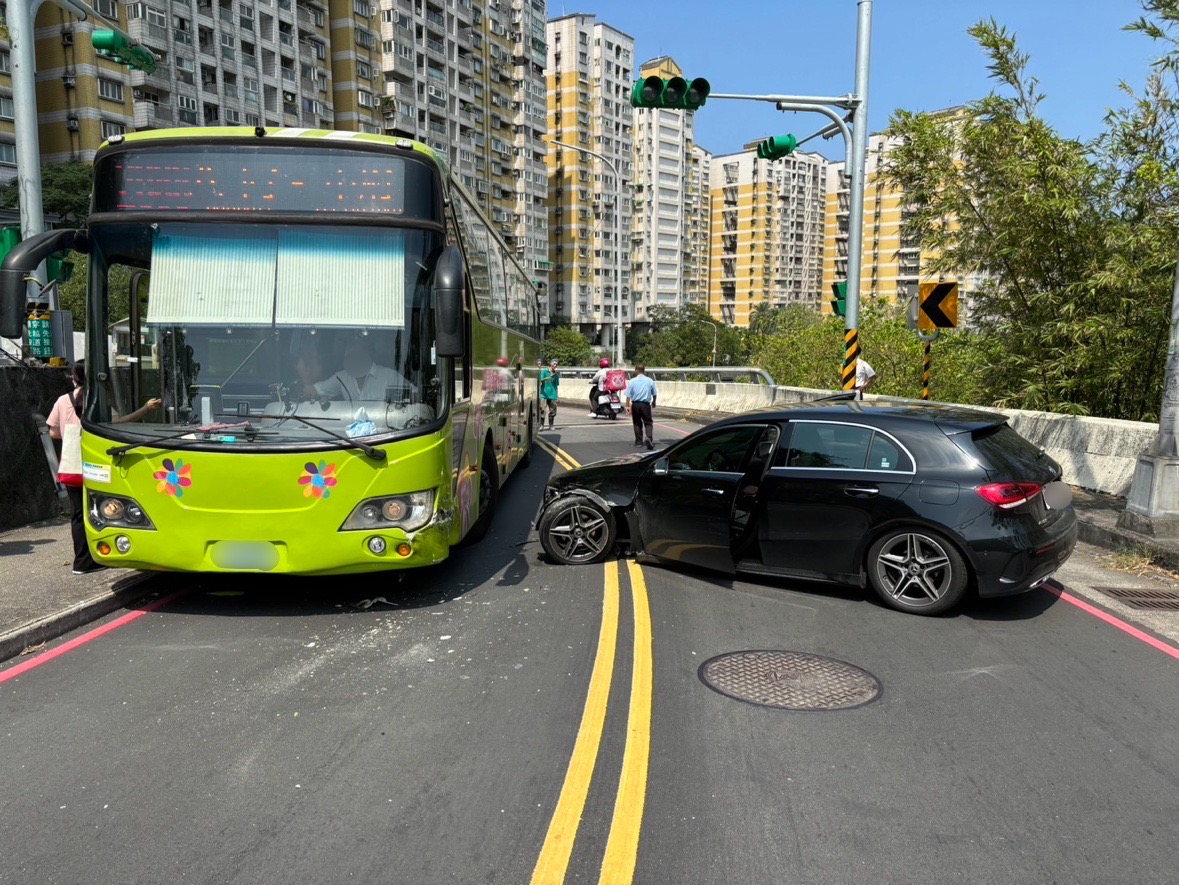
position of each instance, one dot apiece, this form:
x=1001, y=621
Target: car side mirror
x=660, y=468
x=449, y=281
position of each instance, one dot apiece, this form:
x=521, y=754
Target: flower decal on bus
x=318, y=479
x=174, y=478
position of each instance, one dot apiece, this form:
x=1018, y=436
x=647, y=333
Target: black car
x=921, y=501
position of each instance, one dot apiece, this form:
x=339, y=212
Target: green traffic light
x=673, y=92
x=776, y=147
x=108, y=41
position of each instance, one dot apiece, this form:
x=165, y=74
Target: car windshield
x=268, y=333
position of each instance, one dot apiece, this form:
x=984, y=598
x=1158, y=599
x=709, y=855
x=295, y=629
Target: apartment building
x=590, y=71
x=221, y=63
x=467, y=77
x=670, y=236
x=892, y=264
x=767, y=228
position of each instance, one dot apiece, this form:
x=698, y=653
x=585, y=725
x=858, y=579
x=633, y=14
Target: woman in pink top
x=68, y=410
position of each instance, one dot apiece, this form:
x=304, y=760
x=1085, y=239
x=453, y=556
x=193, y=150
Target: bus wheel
x=488, y=494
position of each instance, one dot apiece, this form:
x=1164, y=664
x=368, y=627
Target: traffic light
x=673, y=92
x=116, y=47
x=777, y=147
x=839, y=304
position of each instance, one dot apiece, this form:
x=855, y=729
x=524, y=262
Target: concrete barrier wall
x=27, y=489
x=1098, y=454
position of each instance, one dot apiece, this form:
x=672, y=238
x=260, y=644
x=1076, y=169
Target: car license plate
x=252, y=555
x=1057, y=495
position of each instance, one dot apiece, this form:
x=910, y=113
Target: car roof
x=892, y=414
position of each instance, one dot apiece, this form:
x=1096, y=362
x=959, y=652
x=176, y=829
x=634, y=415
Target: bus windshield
x=265, y=334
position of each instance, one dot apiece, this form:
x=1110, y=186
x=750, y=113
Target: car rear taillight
x=1006, y=495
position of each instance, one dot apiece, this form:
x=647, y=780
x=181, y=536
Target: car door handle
x=861, y=491
x=713, y=491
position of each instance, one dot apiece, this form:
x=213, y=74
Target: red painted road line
x=674, y=429
x=46, y=656
x=1115, y=621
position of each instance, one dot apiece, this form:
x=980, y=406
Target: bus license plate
x=254, y=555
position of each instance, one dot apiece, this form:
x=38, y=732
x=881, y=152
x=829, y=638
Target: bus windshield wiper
x=374, y=453
x=248, y=429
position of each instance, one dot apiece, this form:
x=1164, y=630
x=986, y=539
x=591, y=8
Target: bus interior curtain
x=293, y=277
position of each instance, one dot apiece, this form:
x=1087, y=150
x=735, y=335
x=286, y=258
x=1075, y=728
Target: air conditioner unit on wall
x=67, y=38
x=72, y=124
x=69, y=82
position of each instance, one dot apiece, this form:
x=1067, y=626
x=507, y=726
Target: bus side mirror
x=449, y=276
x=23, y=260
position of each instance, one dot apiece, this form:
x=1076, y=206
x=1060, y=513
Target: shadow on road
x=499, y=560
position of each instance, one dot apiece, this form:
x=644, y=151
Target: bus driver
x=360, y=379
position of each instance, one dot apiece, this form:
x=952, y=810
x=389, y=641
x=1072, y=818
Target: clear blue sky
x=922, y=58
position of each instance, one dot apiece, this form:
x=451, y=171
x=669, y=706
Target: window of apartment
x=187, y=109
x=365, y=39
x=110, y=89
x=364, y=71
x=317, y=16
x=5, y=108
x=360, y=7
x=110, y=130
x=5, y=61
x=365, y=98
x=247, y=17
x=184, y=70
x=107, y=8
x=182, y=30
x=318, y=49
x=405, y=51
x=7, y=154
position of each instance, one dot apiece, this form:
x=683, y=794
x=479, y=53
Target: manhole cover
x=1143, y=597
x=790, y=680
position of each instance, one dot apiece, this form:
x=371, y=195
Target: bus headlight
x=409, y=512
x=111, y=511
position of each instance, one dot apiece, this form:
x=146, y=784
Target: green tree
x=65, y=191
x=73, y=292
x=685, y=336
x=1074, y=242
x=568, y=346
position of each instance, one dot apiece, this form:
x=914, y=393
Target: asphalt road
x=500, y=719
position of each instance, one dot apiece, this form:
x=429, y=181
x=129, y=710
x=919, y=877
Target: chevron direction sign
x=939, y=306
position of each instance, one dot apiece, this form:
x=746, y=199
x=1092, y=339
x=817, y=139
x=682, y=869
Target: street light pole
x=619, y=331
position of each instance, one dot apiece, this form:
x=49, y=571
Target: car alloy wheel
x=917, y=571
x=576, y=531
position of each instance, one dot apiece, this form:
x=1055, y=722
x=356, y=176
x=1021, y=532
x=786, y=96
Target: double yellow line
x=622, y=845
x=558, y=454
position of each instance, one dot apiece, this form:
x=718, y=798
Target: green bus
x=343, y=347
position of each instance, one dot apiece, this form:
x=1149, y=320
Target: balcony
x=149, y=115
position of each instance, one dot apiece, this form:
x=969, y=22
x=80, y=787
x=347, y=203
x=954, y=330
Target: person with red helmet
x=597, y=383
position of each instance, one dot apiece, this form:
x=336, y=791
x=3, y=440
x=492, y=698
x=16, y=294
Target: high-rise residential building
x=670, y=239
x=590, y=67
x=467, y=77
x=892, y=265
x=767, y=224
x=222, y=63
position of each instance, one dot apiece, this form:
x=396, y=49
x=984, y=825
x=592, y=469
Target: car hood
x=615, y=479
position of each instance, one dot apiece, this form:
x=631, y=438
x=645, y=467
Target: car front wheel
x=917, y=571
x=576, y=531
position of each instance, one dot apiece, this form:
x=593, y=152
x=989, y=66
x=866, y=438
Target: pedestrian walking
x=865, y=376
x=65, y=425
x=550, y=383
x=640, y=397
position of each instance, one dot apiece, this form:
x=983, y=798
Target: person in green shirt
x=550, y=381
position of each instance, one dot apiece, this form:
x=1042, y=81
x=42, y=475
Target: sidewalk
x=40, y=599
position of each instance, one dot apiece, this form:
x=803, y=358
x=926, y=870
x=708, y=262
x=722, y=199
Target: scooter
x=609, y=404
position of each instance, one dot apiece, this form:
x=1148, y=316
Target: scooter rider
x=598, y=384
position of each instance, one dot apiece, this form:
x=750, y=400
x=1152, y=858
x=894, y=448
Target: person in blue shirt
x=640, y=396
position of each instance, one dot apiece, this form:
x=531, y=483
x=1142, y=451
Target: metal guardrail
x=713, y=374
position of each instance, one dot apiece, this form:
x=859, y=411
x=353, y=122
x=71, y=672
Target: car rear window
x=1007, y=453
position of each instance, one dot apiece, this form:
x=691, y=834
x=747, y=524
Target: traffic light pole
x=855, y=139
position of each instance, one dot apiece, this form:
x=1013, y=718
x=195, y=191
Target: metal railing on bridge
x=707, y=374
